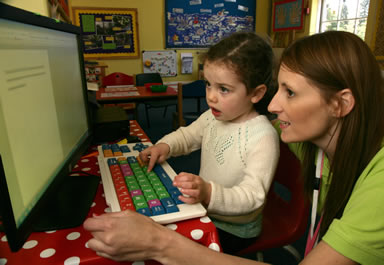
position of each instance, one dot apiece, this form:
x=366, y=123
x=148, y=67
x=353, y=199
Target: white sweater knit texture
x=238, y=159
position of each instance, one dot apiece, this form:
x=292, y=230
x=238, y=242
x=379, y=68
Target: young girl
x=239, y=146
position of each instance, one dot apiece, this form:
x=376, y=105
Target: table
x=69, y=246
x=141, y=94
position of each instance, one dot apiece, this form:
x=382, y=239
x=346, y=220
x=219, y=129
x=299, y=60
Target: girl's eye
x=207, y=83
x=224, y=90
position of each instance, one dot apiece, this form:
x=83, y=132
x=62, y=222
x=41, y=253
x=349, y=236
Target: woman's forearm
x=177, y=249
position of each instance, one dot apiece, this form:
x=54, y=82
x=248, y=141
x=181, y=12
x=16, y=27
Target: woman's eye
x=290, y=93
x=207, y=83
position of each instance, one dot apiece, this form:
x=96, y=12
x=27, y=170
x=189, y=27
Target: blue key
x=131, y=159
x=144, y=211
x=125, y=149
x=105, y=147
x=138, y=147
x=112, y=161
x=163, y=176
x=158, y=210
x=169, y=205
x=175, y=193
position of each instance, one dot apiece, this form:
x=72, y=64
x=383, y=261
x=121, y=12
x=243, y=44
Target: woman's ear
x=258, y=93
x=343, y=103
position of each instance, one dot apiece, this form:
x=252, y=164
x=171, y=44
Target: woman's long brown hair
x=333, y=61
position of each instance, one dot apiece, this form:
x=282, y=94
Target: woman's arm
x=129, y=236
x=325, y=255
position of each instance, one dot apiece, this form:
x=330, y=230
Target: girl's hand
x=154, y=154
x=196, y=189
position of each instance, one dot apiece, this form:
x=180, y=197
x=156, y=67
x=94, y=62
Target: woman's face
x=303, y=112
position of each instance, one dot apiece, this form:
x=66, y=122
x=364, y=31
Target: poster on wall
x=108, y=33
x=201, y=23
x=288, y=15
x=162, y=62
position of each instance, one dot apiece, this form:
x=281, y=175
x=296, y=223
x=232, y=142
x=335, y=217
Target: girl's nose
x=210, y=95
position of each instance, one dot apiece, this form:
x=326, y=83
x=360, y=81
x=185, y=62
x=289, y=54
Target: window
x=344, y=15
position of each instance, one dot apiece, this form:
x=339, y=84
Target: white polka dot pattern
x=73, y=236
x=47, y=253
x=30, y=244
x=72, y=261
x=197, y=234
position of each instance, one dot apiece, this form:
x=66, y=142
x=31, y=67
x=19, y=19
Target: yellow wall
x=36, y=6
x=152, y=32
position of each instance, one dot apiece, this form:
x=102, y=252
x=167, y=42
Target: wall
x=152, y=32
x=151, y=26
x=36, y=6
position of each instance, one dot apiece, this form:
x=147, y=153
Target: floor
x=161, y=125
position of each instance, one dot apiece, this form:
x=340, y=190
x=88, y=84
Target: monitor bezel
x=17, y=235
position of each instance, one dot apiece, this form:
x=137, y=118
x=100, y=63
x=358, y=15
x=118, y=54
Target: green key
x=150, y=196
x=140, y=205
x=146, y=186
x=139, y=172
x=139, y=201
x=160, y=189
x=153, y=178
x=152, y=174
x=129, y=178
x=133, y=187
x=143, y=182
x=141, y=176
x=163, y=194
x=157, y=184
x=131, y=181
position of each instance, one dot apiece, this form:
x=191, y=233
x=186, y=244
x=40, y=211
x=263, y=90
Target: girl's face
x=303, y=112
x=226, y=95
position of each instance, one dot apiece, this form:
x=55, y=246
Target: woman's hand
x=127, y=235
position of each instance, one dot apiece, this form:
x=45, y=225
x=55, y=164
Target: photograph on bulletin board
x=108, y=33
x=202, y=23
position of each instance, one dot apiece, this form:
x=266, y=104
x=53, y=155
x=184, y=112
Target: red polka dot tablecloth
x=69, y=246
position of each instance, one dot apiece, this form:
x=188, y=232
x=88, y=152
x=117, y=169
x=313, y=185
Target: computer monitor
x=44, y=125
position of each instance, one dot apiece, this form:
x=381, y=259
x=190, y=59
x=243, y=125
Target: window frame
x=355, y=18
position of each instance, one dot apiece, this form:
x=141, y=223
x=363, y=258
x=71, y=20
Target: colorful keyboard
x=128, y=185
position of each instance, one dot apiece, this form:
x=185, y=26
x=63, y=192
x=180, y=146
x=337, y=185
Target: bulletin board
x=288, y=15
x=201, y=23
x=162, y=62
x=108, y=33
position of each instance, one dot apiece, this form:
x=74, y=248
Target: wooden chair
x=145, y=78
x=121, y=79
x=191, y=91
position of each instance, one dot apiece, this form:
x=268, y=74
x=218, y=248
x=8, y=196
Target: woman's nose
x=274, y=106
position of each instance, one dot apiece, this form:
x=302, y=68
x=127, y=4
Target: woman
x=329, y=107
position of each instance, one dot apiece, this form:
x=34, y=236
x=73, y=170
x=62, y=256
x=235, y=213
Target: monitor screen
x=44, y=124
